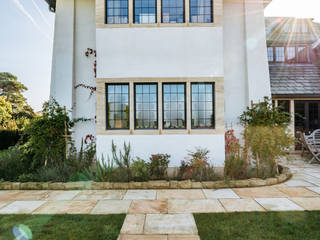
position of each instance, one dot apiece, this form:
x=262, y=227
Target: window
x=117, y=106
x=303, y=54
x=291, y=54
x=201, y=11
x=304, y=28
x=202, y=105
x=146, y=106
x=145, y=11
x=270, y=54
x=279, y=54
x=117, y=11
x=172, y=11
x=174, y=113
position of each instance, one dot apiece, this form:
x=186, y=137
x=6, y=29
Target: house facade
x=165, y=75
x=293, y=55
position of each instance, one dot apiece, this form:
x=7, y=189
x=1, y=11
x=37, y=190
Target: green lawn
x=45, y=227
x=259, y=226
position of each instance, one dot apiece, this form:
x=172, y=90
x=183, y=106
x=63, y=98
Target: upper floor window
x=117, y=11
x=145, y=11
x=270, y=54
x=304, y=28
x=201, y=11
x=280, y=57
x=118, y=106
x=146, y=106
x=174, y=105
x=172, y=11
x=202, y=105
x=291, y=53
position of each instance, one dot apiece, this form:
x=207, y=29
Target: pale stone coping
x=187, y=184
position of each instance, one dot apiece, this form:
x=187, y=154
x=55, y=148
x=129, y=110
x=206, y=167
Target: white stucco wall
x=175, y=145
x=160, y=52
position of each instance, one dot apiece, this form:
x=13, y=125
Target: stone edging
x=188, y=184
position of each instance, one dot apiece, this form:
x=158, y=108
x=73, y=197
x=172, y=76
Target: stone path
x=167, y=214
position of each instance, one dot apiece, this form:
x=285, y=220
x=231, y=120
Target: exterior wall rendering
x=166, y=82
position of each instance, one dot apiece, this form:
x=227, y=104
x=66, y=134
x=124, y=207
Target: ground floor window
x=117, y=106
x=146, y=106
x=174, y=115
x=307, y=116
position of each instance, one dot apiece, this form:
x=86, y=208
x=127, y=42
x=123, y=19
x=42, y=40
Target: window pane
x=173, y=11
x=146, y=106
x=145, y=11
x=201, y=11
x=174, y=106
x=202, y=105
x=270, y=54
x=117, y=11
x=118, y=106
x=280, y=54
x=291, y=54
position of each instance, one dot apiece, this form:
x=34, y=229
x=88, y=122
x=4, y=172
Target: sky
x=26, y=37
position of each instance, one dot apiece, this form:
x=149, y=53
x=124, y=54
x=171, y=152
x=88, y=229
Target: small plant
x=158, y=165
x=26, y=177
x=197, y=166
x=102, y=171
x=123, y=160
x=140, y=170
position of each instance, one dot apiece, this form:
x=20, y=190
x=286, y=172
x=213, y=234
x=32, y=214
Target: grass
x=259, y=226
x=68, y=227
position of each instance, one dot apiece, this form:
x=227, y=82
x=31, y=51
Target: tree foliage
x=6, y=114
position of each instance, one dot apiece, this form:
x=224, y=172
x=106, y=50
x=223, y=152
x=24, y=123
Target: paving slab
x=278, y=204
x=61, y=195
x=21, y=207
x=28, y=195
x=241, y=205
x=220, y=193
x=180, y=194
x=4, y=203
x=310, y=204
x=170, y=224
x=148, y=206
x=111, y=207
x=133, y=224
x=8, y=195
x=194, y=206
x=183, y=237
x=141, y=195
x=259, y=192
x=314, y=189
x=143, y=237
x=100, y=195
x=66, y=207
x=297, y=192
x=298, y=183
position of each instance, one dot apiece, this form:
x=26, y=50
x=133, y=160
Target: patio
x=167, y=214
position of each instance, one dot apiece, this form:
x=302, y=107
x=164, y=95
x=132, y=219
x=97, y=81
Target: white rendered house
x=167, y=76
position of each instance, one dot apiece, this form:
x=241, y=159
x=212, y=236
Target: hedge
x=9, y=138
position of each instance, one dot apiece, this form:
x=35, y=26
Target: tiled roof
x=295, y=80
x=276, y=34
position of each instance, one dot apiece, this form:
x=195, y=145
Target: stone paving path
x=167, y=214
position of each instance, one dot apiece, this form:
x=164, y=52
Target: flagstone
x=141, y=195
x=111, y=207
x=66, y=207
x=308, y=203
x=314, y=189
x=241, y=205
x=143, y=237
x=133, y=224
x=220, y=193
x=259, y=192
x=170, y=224
x=194, y=206
x=21, y=207
x=180, y=194
x=183, y=237
x=8, y=195
x=32, y=195
x=298, y=183
x=100, y=195
x=62, y=195
x=4, y=203
x=297, y=192
x=278, y=204
x=148, y=206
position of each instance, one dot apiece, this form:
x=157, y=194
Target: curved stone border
x=188, y=184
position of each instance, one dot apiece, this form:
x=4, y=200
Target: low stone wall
x=188, y=184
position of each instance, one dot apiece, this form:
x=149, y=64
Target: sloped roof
x=295, y=80
x=276, y=34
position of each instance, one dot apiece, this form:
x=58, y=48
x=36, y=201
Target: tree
x=6, y=114
x=12, y=90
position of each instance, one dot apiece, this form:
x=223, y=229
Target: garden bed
x=188, y=184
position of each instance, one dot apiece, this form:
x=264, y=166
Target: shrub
x=197, y=166
x=9, y=138
x=140, y=170
x=158, y=165
x=123, y=160
x=236, y=165
x=59, y=173
x=27, y=177
x=101, y=172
